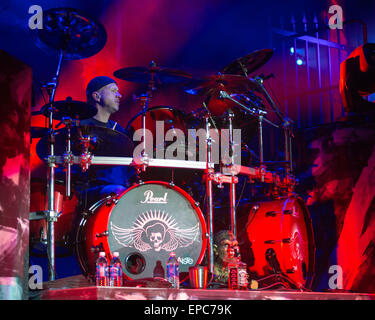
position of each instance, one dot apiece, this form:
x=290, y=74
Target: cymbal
x=215, y=83
x=159, y=75
x=71, y=31
x=70, y=108
x=172, y=118
x=105, y=142
x=249, y=63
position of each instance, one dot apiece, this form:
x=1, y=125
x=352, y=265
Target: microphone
x=272, y=260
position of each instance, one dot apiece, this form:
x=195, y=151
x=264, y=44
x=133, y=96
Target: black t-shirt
x=110, y=124
x=105, y=174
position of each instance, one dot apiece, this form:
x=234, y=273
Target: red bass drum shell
x=285, y=227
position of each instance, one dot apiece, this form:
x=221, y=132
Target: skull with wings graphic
x=155, y=231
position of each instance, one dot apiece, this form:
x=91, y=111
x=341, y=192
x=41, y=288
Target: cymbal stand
x=259, y=113
x=145, y=99
x=68, y=156
x=286, y=125
x=209, y=184
x=51, y=213
x=232, y=183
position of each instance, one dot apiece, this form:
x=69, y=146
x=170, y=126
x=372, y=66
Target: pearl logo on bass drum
x=155, y=230
x=149, y=198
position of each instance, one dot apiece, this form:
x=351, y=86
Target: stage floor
x=79, y=288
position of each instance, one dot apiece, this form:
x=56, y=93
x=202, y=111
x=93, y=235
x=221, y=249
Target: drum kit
x=153, y=218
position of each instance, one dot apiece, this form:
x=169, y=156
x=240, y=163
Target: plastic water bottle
x=102, y=277
x=115, y=271
x=172, y=271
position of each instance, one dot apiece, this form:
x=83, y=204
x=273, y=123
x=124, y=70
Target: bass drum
x=144, y=224
x=281, y=240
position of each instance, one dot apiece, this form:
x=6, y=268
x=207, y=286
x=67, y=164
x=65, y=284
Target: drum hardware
x=287, y=240
x=73, y=36
x=209, y=170
x=68, y=156
x=103, y=234
x=286, y=125
x=86, y=156
x=232, y=182
x=272, y=260
x=153, y=76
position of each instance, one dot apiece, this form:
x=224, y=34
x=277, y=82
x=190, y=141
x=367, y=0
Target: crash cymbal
x=249, y=63
x=105, y=142
x=215, y=83
x=159, y=75
x=70, y=108
x=71, y=31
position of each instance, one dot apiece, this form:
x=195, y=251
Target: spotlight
x=300, y=62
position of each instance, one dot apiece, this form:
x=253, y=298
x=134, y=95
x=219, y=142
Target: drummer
x=103, y=93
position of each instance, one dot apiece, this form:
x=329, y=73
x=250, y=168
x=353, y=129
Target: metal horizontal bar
x=312, y=39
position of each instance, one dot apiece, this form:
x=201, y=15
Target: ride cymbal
x=215, y=83
x=153, y=74
x=249, y=63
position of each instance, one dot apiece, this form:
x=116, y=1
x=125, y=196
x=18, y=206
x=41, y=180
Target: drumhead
x=147, y=222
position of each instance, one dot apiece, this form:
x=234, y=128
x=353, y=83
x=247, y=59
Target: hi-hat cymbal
x=70, y=31
x=105, y=142
x=215, y=83
x=249, y=63
x=156, y=74
x=69, y=108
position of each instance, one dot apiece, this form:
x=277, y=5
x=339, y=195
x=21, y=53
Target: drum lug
x=97, y=248
x=255, y=208
x=111, y=201
x=286, y=240
x=197, y=204
x=271, y=214
x=103, y=234
x=86, y=213
x=171, y=183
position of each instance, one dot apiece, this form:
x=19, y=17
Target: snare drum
x=144, y=224
x=281, y=240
